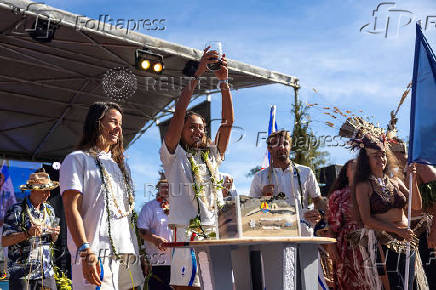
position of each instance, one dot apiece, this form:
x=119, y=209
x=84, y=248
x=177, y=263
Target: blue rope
x=101, y=273
x=194, y=268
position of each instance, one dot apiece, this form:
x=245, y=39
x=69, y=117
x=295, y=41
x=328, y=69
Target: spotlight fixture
x=145, y=60
x=158, y=67
x=144, y=64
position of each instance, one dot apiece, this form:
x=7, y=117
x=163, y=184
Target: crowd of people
x=365, y=211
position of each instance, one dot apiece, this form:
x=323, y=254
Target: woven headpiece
x=363, y=134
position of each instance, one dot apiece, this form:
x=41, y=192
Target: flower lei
x=122, y=214
x=195, y=225
x=129, y=188
x=34, y=221
x=164, y=204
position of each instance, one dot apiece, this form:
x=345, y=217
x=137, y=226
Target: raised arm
x=175, y=128
x=223, y=135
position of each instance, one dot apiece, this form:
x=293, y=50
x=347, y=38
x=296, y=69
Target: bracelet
x=226, y=81
x=83, y=247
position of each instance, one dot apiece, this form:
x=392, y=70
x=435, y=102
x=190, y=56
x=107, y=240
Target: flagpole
x=409, y=215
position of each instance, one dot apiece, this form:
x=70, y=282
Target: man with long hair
x=191, y=163
x=98, y=197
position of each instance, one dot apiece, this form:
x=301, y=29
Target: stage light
x=146, y=60
x=157, y=67
x=145, y=64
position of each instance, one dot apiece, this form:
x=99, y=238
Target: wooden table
x=257, y=263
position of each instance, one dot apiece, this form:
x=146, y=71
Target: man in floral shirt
x=28, y=234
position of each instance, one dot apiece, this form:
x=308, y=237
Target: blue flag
x=422, y=138
x=272, y=126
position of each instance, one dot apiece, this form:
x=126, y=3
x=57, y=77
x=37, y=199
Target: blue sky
x=317, y=41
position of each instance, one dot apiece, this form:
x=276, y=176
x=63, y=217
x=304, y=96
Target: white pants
x=116, y=276
x=184, y=268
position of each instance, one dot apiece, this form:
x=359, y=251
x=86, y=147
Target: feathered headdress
x=363, y=134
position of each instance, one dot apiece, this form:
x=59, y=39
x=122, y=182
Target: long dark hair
x=342, y=179
x=363, y=172
x=205, y=142
x=93, y=129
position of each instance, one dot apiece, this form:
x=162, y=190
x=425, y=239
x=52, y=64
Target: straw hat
x=39, y=181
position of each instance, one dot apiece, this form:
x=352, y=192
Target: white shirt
x=152, y=218
x=282, y=183
x=80, y=172
x=181, y=195
x=232, y=192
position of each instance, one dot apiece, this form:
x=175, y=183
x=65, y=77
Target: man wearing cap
x=27, y=232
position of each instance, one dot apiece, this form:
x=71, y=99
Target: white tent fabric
x=47, y=87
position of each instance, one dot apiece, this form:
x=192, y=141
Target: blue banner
x=422, y=138
x=272, y=125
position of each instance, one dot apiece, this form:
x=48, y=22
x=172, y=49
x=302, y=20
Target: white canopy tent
x=46, y=87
